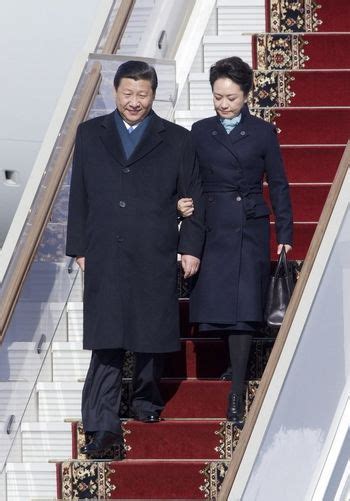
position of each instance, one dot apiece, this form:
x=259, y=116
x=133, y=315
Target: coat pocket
x=262, y=210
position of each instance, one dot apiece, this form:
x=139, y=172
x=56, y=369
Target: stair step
x=288, y=120
x=30, y=481
x=309, y=51
x=75, y=321
x=21, y=361
x=311, y=164
x=320, y=125
x=216, y=48
x=71, y=362
x=314, y=194
x=190, y=398
x=303, y=233
x=171, y=439
x=237, y=18
x=301, y=88
x=131, y=479
x=200, y=356
x=42, y=441
x=208, y=358
x=329, y=20
x=13, y=400
x=274, y=88
x=135, y=27
x=58, y=401
x=336, y=122
x=195, y=398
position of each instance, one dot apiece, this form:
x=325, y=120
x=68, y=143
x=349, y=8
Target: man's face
x=134, y=99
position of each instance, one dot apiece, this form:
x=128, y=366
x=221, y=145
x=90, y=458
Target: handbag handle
x=282, y=263
x=283, y=266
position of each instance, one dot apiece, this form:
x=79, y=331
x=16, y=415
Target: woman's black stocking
x=239, y=346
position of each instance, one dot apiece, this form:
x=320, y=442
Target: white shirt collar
x=128, y=125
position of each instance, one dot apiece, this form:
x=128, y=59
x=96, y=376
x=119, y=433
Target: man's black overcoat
x=235, y=267
x=123, y=219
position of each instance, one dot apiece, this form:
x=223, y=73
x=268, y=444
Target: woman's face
x=228, y=98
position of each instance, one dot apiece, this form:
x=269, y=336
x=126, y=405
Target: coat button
x=214, y=133
x=238, y=199
x=122, y=203
x=126, y=170
x=242, y=132
x=120, y=239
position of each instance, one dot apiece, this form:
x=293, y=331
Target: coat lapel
x=239, y=133
x=110, y=138
x=151, y=138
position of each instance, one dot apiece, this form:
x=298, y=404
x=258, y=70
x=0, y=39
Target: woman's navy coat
x=235, y=268
x=123, y=219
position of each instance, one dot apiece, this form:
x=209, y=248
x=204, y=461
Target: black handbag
x=279, y=292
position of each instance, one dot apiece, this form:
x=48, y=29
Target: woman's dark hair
x=136, y=70
x=235, y=69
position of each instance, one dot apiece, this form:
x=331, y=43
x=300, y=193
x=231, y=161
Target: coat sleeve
x=192, y=230
x=78, y=203
x=278, y=189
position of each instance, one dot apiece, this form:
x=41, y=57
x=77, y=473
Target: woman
x=236, y=152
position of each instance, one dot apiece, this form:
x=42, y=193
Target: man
x=129, y=169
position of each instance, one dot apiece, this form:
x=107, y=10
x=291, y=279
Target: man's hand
x=81, y=262
x=190, y=265
x=185, y=207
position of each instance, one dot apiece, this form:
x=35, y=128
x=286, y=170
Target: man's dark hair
x=136, y=70
x=235, y=69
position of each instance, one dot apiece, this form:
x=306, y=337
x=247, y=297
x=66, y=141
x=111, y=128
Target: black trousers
x=102, y=389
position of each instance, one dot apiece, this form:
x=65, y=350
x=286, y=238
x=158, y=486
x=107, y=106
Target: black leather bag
x=280, y=291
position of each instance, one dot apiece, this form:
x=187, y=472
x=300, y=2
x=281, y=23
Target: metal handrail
x=53, y=181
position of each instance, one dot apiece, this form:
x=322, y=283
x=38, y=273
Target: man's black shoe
x=100, y=442
x=227, y=375
x=149, y=418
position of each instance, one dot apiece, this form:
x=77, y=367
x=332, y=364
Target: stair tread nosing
x=212, y=439
x=130, y=479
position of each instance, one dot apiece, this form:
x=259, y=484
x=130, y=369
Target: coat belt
x=249, y=203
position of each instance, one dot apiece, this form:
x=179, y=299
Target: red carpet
x=307, y=201
x=310, y=126
x=311, y=164
x=307, y=15
x=198, y=358
x=186, y=455
x=161, y=480
x=171, y=439
x=309, y=51
x=303, y=233
x=309, y=88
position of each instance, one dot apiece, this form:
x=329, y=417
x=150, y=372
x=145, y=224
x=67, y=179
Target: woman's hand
x=286, y=246
x=185, y=207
